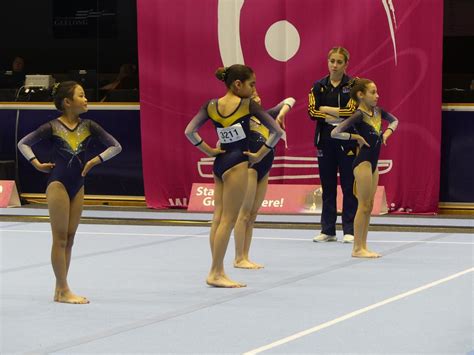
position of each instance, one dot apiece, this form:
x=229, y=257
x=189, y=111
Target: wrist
x=267, y=146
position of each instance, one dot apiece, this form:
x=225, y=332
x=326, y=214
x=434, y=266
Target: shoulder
x=209, y=103
x=252, y=105
x=319, y=85
x=346, y=79
x=209, y=106
x=49, y=124
x=379, y=110
x=93, y=126
x=385, y=114
x=88, y=122
x=358, y=113
x=346, y=84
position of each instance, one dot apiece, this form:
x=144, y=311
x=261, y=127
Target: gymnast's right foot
x=364, y=253
x=66, y=296
x=246, y=264
x=223, y=281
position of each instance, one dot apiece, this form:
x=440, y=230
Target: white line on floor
x=355, y=313
x=258, y=238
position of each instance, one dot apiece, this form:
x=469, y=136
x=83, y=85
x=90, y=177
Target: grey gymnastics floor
x=137, y=215
x=147, y=292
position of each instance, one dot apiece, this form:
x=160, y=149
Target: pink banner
x=396, y=43
x=9, y=194
x=282, y=199
x=279, y=199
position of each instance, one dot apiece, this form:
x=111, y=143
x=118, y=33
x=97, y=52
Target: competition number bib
x=231, y=134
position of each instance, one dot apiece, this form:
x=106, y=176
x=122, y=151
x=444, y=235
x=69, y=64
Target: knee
x=245, y=218
x=60, y=240
x=253, y=217
x=228, y=222
x=366, y=207
x=70, y=240
x=216, y=219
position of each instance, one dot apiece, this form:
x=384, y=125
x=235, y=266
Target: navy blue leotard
x=240, y=119
x=370, y=128
x=69, y=149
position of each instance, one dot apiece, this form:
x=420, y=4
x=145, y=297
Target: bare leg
x=59, y=210
x=216, y=218
x=75, y=213
x=259, y=197
x=241, y=229
x=375, y=182
x=235, y=186
x=363, y=179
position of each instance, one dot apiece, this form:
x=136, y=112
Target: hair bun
x=221, y=73
x=353, y=81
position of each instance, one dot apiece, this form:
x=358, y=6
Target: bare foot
x=223, y=281
x=365, y=253
x=374, y=253
x=247, y=264
x=66, y=296
x=257, y=266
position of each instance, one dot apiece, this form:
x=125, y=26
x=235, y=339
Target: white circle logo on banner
x=282, y=41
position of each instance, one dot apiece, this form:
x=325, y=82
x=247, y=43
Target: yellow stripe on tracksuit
x=312, y=111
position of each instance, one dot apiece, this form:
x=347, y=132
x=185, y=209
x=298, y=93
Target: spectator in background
x=127, y=78
x=15, y=77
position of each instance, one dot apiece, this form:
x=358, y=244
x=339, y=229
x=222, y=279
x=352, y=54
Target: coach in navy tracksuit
x=329, y=104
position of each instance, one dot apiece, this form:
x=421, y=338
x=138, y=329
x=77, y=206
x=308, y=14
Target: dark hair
x=235, y=72
x=62, y=91
x=357, y=85
x=340, y=50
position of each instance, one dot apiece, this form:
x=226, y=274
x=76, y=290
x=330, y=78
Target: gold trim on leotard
x=242, y=111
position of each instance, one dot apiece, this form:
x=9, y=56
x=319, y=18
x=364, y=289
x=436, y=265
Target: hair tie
x=225, y=73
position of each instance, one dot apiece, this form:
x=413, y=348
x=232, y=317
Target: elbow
x=333, y=133
x=189, y=135
x=118, y=147
x=188, y=132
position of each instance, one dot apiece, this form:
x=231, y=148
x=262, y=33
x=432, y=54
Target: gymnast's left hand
x=214, y=152
x=385, y=136
x=254, y=158
x=89, y=165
